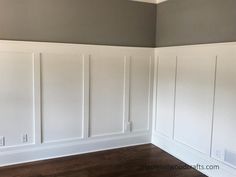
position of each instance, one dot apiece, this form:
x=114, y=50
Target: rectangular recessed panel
x=139, y=93
x=16, y=97
x=194, y=101
x=165, y=95
x=62, y=96
x=106, y=95
x=225, y=101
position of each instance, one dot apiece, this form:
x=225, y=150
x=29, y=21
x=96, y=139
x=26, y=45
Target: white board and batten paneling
x=195, y=102
x=223, y=142
x=72, y=98
x=120, y=93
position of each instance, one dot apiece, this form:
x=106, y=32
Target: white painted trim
x=27, y=46
x=154, y=110
x=126, y=96
x=176, y=75
x=160, y=1
x=147, y=1
x=71, y=148
x=40, y=149
x=191, y=156
x=179, y=149
x=37, y=98
x=150, y=91
x=86, y=86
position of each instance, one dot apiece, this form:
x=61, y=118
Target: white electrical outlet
x=219, y=153
x=129, y=127
x=2, y=141
x=25, y=138
x=230, y=157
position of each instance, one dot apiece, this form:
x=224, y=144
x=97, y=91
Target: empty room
x=117, y=88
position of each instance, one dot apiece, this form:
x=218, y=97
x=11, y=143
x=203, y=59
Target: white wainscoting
x=224, y=141
x=62, y=99
x=71, y=99
x=194, y=112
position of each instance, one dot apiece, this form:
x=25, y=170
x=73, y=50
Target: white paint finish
x=86, y=63
x=140, y=78
x=166, y=95
x=194, y=101
x=16, y=97
x=37, y=99
x=221, y=123
x=107, y=73
x=225, y=101
x=127, y=124
x=192, y=157
x=18, y=154
x=56, y=150
x=62, y=96
x=60, y=76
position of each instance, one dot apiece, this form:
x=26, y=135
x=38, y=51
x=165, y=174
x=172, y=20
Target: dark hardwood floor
x=137, y=161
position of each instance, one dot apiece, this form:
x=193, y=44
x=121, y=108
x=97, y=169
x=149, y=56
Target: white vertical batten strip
x=213, y=106
x=154, y=115
x=85, y=113
x=37, y=98
x=126, y=96
x=150, y=91
x=175, y=92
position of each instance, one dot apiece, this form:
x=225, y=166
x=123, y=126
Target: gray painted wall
x=182, y=22
x=108, y=22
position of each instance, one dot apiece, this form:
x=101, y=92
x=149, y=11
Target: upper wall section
x=104, y=22
x=183, y=22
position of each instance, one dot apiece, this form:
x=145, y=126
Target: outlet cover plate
x=2, y=141
x=25, y=138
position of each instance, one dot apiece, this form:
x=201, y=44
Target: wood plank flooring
x=137, y=161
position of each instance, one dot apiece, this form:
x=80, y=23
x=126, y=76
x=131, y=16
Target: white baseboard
x=191, y=157
x=49, y=151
